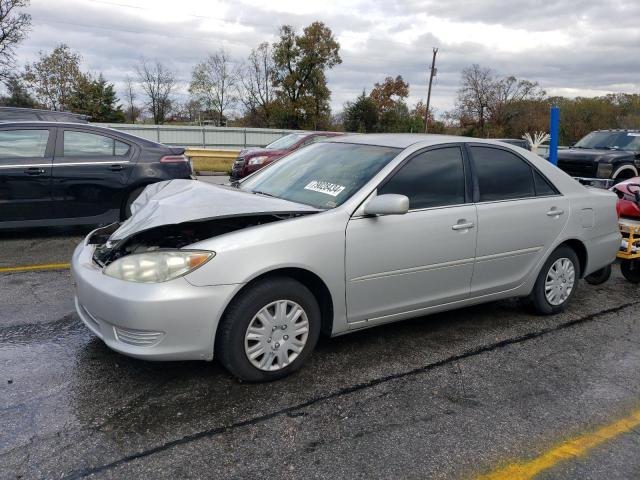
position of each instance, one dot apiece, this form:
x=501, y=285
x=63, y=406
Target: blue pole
x=554, y=130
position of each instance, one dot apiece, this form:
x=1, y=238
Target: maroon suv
x=250, y=160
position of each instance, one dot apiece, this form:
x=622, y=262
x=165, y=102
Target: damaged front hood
x=179, y=201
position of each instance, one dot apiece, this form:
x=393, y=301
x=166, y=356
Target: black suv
x=603, y=154
x=58, y=173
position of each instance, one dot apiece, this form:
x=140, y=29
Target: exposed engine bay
x=174, y=236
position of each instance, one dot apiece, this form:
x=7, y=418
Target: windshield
x=611, y=141
x=286, y=141
x=323, y=175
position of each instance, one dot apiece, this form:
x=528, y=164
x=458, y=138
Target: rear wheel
x=556, y=282
x=269, y=330
x=599, y=276
x=630, y=270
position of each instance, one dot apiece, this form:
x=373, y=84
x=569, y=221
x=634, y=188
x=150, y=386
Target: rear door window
x=85, y=144
x=502, y=175
x=23, y=143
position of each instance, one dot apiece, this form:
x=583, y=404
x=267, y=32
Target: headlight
x=604, y=170
x=156, y=267
x=258, y=160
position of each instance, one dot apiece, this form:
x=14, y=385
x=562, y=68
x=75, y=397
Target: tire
x=126, y=209
x=599, y=276
x=233, y=338
x=630, y=270
x=538, y=298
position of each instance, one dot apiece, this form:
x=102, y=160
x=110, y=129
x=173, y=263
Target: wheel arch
x=619, y=171
x=310, y=280
x=581, y=251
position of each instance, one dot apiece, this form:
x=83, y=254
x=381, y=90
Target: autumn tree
x=158, y=84
x=256, y=86
x=300, y=65
x=54, y=76
x=14, y=27
x=214, y=82
x=388, y=93
x=475, y=95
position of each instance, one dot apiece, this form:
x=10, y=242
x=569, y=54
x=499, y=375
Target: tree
x=256, y=81
x=213, y=82
x=17, y=94
x=14, y=27
x=132, y=111
x=54, y=76
x=475, y=94
x=489, y=103
x=386, y=94
x=360, y=115
x=97, y=99
x=300, y=62
x=158, y=84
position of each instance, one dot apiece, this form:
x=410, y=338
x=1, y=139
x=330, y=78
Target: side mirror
x=389, y=204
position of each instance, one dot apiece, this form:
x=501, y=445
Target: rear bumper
x=601, y=251
x=174, y=320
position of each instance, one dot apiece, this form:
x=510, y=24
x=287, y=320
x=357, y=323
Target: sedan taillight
x=174, y=159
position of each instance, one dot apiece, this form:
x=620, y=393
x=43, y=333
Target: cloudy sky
x=571, y=47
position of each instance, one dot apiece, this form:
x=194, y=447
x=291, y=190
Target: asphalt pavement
x=484, y=391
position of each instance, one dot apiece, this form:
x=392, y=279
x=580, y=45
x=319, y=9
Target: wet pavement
x=452, y=395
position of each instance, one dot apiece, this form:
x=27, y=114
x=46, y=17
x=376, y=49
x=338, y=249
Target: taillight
x=174, y=159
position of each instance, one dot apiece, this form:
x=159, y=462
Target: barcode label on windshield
x=325, y=187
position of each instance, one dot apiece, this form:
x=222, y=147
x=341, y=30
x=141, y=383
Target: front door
x=25, y=173
x=402, y=263
x=90, y=173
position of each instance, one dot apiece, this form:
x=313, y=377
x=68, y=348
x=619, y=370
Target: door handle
x=554, y=212
x=462, y=226
x=116, y=167
x=34, y=171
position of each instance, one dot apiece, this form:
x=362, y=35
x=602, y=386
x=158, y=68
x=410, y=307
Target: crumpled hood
x=178, y=201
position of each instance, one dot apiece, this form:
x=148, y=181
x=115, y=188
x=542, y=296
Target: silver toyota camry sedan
x=342, y=235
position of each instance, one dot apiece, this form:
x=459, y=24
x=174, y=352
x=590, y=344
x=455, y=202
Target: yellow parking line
x=27, y=268
x=564, y=451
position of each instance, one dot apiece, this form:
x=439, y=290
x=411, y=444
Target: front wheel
x=630, y=270
x=269, y=330
x=556, y=282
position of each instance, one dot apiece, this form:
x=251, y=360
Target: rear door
x=90, y=173
x=520, y=214
x=26, y=155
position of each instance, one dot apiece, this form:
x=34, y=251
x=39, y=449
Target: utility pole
x=433, y=74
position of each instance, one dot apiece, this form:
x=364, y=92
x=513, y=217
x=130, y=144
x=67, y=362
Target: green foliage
x=17, y=94
x=300, y=62
x=54, y=76
x=361, y=115
x=97, y=99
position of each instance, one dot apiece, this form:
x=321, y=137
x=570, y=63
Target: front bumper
x=173, y=320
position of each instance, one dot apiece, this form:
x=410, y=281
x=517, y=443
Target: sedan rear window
x=82, y=144
x=323, y=175
x=23, y=143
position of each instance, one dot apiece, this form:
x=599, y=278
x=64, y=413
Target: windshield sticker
x=631, y=134
x=325, y=187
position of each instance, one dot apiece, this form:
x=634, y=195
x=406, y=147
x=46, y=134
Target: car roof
x=404, y=140
x=81, y=126
x=11, y=114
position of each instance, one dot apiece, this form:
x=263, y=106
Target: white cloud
x=572, y=47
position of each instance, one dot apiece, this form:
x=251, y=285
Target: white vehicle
x=341, y=235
